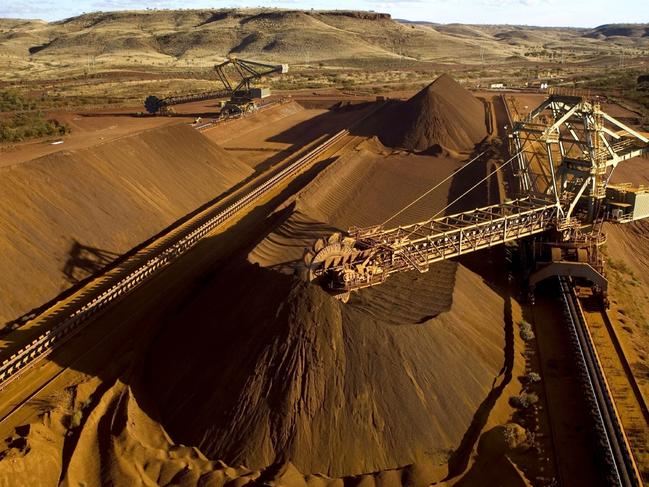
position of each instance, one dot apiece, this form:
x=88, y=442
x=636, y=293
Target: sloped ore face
x=261, y=367
x=444, y=114
x=270, y=368
x=72, y=212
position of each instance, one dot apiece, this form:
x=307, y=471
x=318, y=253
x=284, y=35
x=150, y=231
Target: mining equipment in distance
x=237, y=77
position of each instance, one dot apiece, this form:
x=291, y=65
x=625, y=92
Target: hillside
x=198, y=38
x=212, y=34
x=619, y=30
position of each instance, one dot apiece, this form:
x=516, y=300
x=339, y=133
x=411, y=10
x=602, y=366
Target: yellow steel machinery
x=564, y=153
x=243, y=95
x=237, y=76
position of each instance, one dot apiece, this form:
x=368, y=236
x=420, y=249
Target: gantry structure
x=563, y=152
x=241, y=91
x=236, y=75
x=568, y=147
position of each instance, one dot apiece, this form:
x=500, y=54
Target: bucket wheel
x=323, y=250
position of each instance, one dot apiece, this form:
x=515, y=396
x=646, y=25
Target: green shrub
x=619, y=265
x=526, y=332
x=531, y=377
x=75, y=419
x=524, y=400
x=11, y=100
x=23, y=126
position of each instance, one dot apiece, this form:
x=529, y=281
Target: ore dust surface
x=263, y=377
x=68, y=214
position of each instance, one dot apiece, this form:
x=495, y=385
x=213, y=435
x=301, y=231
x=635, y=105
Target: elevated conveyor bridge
x=367, y=256
x=568, y=140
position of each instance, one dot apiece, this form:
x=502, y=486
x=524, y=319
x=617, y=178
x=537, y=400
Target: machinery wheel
x=323, y=249
x=229, y=111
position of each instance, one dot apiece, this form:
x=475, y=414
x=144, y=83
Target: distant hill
x=619, y=30
x=288, y=35
x=200, y=37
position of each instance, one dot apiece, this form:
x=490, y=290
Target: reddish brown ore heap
x=271, y=368
x=442, y=114
x=71, y=212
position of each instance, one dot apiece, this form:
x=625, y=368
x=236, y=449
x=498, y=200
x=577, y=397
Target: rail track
x=70, y=315
x=619, y=461
x=627, y=395
x=617, y=432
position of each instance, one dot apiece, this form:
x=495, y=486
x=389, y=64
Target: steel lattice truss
x=565, y=149
x=247, y=71
x=568, y=148
x=377, y=253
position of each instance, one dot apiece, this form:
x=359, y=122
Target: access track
x=620, y=463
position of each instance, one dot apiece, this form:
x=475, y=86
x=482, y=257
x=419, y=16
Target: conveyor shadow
x=329, y=122
x=84, y=260
x=14, y=325
x=309, y=132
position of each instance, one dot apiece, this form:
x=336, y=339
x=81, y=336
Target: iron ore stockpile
x=88, y=206
x=442, y=115
x=265, y=376
x=291, y=374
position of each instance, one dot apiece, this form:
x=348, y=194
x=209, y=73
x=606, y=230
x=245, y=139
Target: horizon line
x=152, y=10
